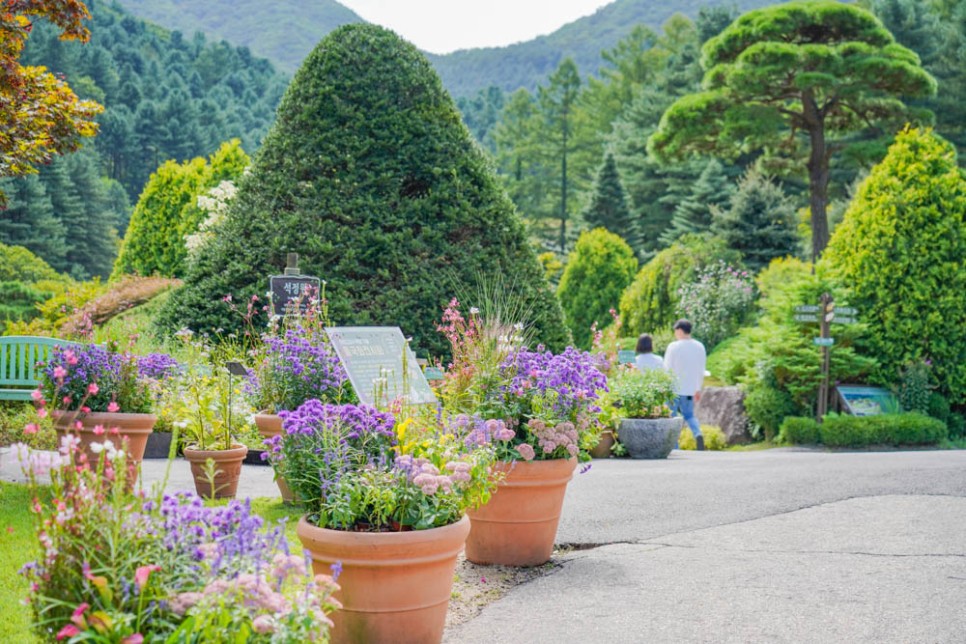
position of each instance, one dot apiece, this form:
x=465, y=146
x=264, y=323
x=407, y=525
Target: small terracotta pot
x=602, y=449
x=518, y=525
x=228, y=470
x=135, y=428
x=270, y=425
x=395, y=586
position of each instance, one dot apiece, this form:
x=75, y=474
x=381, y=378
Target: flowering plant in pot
x=641, y=399
x=386, y=494
x=90, y=390
x=119, y=566
x=209, y=414
x=539, y=412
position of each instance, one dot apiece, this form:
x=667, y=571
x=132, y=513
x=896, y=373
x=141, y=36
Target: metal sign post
x=824, y=314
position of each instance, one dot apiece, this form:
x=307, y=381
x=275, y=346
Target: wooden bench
x=19, y=355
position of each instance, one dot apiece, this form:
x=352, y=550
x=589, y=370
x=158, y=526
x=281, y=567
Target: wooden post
x=825, y=322
x=292, y=264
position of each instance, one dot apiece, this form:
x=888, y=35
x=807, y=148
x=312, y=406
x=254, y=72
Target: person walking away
x=686, y=358
x=645, y=359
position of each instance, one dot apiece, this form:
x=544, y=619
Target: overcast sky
x=442, y=26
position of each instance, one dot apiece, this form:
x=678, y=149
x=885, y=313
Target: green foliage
x=900, y=249
x=17, y=264
x=650, y=303
x=914, y=385
x=641, y=394
x=759, y=221
x=767, y=407
x=18, y=545
x=717, y=301
x=795, y=79
x=369, y=175
x=693, y=213
x=15, y=416
x=168, y=211
x=598, y=270
x=608, y=205
x=714, y=438
x=885, y=429
x=798, y=430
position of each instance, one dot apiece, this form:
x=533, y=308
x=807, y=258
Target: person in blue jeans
x=686, y=359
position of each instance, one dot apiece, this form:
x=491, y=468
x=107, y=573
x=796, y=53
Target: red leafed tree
x=39, y=114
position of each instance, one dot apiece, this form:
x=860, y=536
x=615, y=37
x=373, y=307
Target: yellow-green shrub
x=714, y=438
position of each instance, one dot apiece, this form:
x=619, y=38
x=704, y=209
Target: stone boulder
x=724, y=407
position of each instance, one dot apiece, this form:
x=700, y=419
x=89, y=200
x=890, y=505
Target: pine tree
x=608, y=206
x=29, y=219
x=693, y=213
x=759, y=221
x=92, y=237
x=370, y=175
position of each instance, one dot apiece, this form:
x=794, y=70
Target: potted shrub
x=159, y=369
x=386, y=497
x=646, y=428
x=91, y=391
x=538, y=409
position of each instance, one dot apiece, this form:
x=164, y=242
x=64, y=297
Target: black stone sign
x=287, y=290
x=373, y=358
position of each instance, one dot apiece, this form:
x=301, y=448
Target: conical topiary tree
x=370, y=175
x=608, y=206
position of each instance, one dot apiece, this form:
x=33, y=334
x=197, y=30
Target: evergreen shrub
x=886, y=429
x=598, y=270
x=767, y=407
x=900, y=249
x=799, y=430
x=371, y=177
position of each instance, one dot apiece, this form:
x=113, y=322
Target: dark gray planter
x=649, y=437
x=159, y=444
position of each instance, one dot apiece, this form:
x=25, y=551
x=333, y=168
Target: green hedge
x=887, y=429
x=797, y=430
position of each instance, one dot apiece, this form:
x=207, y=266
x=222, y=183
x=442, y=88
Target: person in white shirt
x=686, y=358
x=645, y=358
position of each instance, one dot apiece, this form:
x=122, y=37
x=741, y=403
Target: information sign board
x=289, y=290
x=625, y=356
x=866, y=401
x=824, y=342
x=380, y=364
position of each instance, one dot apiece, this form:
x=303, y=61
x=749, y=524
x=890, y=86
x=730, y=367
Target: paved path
x=775, y=546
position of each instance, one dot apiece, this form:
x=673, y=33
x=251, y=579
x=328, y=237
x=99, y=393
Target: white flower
x=474, y=310
x=97, y=448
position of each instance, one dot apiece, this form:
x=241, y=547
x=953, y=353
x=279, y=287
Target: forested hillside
x=165, y=97
x=284, y=31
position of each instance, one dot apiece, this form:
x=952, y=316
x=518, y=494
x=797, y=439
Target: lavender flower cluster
x=91, y=378
x=157, y=366
x=353, y=422
x=573, y=377
x=296, y=367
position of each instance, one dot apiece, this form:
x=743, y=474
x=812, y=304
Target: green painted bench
x=19, y=355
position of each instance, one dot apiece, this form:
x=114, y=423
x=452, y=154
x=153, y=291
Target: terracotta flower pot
x=602, y=449
x=228, y=466
x=518, y=525
x=395, y=586
x=134, y=427
x=270, y=425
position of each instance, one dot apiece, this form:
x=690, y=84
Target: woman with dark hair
x=645, y=354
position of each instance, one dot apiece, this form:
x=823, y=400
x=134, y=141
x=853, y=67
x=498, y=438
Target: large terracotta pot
x=395, y=586
x=228, y=464
x=649, y=437
x=135, y=428
x=518, y=525
x=270, y=425
x=602, y=449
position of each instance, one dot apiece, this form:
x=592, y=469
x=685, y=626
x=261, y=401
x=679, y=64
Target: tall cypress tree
x=29, y=219
x=608, y=205
x=370, y=175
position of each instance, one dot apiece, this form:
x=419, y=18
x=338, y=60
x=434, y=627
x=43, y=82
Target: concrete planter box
x=649, y=437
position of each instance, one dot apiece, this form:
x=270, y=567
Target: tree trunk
x=563, y=192
x=817, y=175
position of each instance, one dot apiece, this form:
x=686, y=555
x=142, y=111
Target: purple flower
x=157, y=366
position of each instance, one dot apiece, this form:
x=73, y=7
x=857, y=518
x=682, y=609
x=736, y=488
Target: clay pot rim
x=348, y=538
x=204, y=454
x=96, y=415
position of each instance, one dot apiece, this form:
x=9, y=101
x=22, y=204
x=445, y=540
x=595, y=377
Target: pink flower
x=181, y=603
x=70, y=357
x=36, y=395
x=263, y=624
x=65, y=400
x=98, y=430
x=113, y=407
x=92, y=388
x=41, y=413
x=526, y=451
x=59, y=372
x=143, y=572
x=31, y=428
x=68, y=631
x=137, y=638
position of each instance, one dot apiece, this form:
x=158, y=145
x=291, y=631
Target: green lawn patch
x=17, y=546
